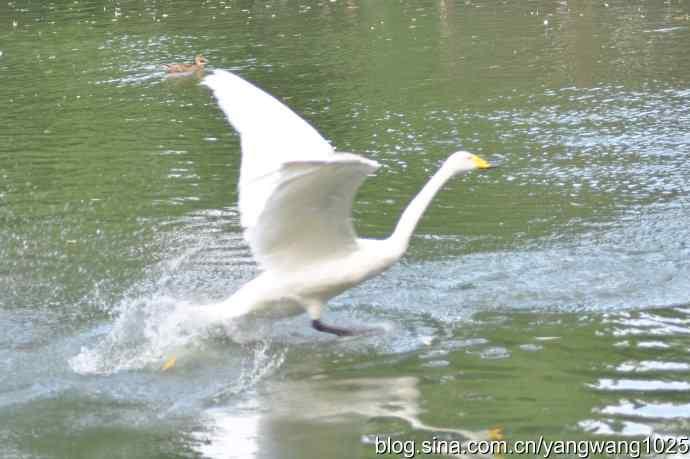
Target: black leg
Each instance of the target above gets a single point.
(318, 325)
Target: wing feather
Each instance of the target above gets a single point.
(309, 215)
(271, 134)
(295, 193)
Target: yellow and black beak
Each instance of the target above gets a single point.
(481, 163)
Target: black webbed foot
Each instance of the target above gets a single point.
(322, 327)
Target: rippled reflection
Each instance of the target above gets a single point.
(649, 392)
(649, 410)
(641, 385)
(292, 411)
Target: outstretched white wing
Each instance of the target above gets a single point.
(271, 134)
(295, 193)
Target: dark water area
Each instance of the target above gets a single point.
(548, 297)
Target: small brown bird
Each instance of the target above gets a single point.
(197, 66)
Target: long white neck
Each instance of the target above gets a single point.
(414, 211)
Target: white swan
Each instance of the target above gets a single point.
(295, 202)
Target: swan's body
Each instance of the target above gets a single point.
(295, 201)
(311, 286)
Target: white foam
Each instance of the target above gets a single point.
(146, 333)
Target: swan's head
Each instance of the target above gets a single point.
(200, 60)
(462, 161)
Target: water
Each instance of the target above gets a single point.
(549, 297)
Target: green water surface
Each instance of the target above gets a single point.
(548, 297)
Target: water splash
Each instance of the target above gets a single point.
(142, 336)
(159, 315)
(258, 366)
